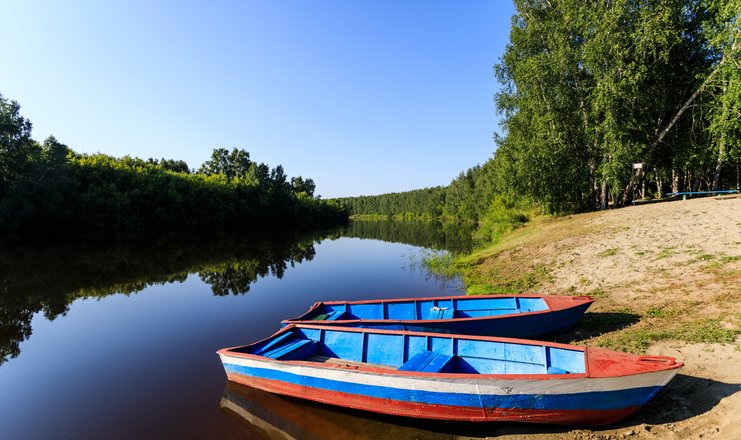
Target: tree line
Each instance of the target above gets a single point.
(49, 191)
(473, 197)
(590, 88)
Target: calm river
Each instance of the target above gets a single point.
(120, 342)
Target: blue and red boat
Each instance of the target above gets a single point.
(450, 377)
(517, 316)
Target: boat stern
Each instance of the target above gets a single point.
(556, 303)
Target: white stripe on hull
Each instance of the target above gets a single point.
(487, 385)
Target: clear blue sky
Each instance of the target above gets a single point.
(363, 97)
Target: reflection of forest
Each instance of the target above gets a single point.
(452, 237)
(49, 279)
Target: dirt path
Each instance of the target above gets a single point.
(667, 278)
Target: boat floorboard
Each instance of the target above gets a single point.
(347, 363)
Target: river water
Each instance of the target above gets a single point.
(119, 342)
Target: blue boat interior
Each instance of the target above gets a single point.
(414, 352)
(445, 308)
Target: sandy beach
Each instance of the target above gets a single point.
(667, 279)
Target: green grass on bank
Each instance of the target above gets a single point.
(521, 260)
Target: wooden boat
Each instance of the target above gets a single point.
(450, 377)
(518, 316)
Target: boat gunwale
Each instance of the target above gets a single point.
(375, 371)
(587, 351)
(583, 299)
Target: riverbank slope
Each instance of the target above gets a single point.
(667, 279)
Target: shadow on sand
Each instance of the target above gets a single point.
(593, 324)
(683, 398)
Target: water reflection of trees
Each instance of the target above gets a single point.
(49, 279)
(454, 237)
(235, 277)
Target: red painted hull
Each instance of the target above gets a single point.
(430, 411)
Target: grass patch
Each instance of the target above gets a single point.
(633, 340)
(666, 252)
(441, 264)
(480, 289)
(609, 252)
(533, 278)
(597, 293)
(703, 257)
(723, 261)
(660, 312)
(708, 331)
(637, 340)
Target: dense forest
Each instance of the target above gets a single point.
(48, 191)
(590, 88)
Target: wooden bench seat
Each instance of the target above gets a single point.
(344, 362)
(427, 361)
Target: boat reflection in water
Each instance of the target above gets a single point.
(272, 416)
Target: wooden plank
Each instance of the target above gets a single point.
(282, 350)
(344, 362)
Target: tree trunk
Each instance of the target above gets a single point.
(695, 182)
(675, 181)
(687, 180)
(719, 163)
(721, 143)
(603, 201)
(659, 186)
(593, 189)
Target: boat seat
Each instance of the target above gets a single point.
(427, 361)
(329, 316)
(276, 341)
(440, 313)
(324, 316)
(556, 370)
(336, 316)
(290, 347)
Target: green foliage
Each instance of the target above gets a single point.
(17, 149)
(412, 205)
(48, 191)
(441, 264)
(473, 197)
(232, 165)
(589, 88)
(504, 215)
(300, 185)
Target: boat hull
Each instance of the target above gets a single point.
(583, 400)
(555, 315)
